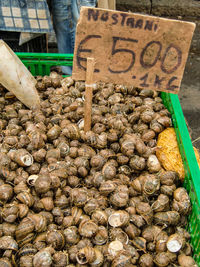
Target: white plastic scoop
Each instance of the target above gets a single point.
(16, 78)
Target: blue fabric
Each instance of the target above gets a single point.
(65, 17)
(25, 16)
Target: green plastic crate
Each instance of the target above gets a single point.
(40, 64)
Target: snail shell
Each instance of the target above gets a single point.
(60, 259)
(107, 187)
(22, 157)
(42, 258)
(6, 192)
(71, 234)
(99, 217)
(54, 132)
(43, 183)
(88, 228)
(132, 231)
(139, 242)
(86, 255)
(161, 204)
(119, 218)
(25, 227)
(7, 229)
(20, 187)
(28, 249)
(114, 248)
(109, 171)
(145, 211)
(122, 259)
(168, 217)
(162, 259)
(27, 239)
(26, 261)
(76, 214)
(146, 260)
(175, 242)
(7, 242)
(101, 236)
(47, 203)
(55, 239)
(137, 163)
(40, 222)
(5, 262)
(120, 197)
(118, 234)
(26, 198)
(71, 131)
(99, 258)
(10, 212)
(79, 196)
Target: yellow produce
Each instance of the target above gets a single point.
(168, 152)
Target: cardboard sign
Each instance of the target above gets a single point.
(131, 49)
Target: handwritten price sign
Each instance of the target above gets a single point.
(132, 49)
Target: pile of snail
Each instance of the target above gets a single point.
(100, 198)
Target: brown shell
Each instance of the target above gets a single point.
(6, 192)
(119, 199)
(25, 227)
(151, 185)
(53, 132)
(20, 187)
(55, 239)
(26, 198)
(71, 131)
(72, 236)
(146, 260)
(5, 262)
(76, 214)
(122, 259)
(144, 209)
(132, 231)
(10, 212)
(79, 196)
(88, 228)
(40, 222)
(109, 171)
(7, 229)
(22, 157)
(7, 242)
(86, 255)
(119, 218)
(168, 217)
(107, 187)
(42, 258)
(139, 242)
(60, 259)
(42, 183)
(26, 261)
(137, 163)
(118, 234)
(162, 259)
(161, 204)
(47, 203)
(101, 236)
(128, 147)
(99, 217)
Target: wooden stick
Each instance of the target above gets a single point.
(88, 94)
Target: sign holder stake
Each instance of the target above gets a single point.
(89, 84)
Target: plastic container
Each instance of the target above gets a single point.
(40, 64)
